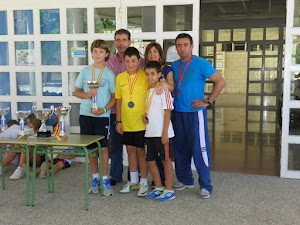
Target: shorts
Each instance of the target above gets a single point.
(135, 139)
(95, 126)
(57, 160)
(155, 150)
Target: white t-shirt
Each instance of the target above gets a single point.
(156, 113)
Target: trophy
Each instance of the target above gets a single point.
(43, 115)
(93, 84)
(22, 115)
(3, 113)
(61, 112)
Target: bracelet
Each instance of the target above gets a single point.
(118, 122)
(105, 109)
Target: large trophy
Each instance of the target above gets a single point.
(61, 112)
(22, 115)
(43, 115)
(3, 113)
(93, 85)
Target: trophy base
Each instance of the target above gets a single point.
(22, 137)
(62, 137)
(44, 134)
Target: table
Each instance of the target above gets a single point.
(22, 147)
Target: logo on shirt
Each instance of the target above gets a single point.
(190, 74)
(102, 82)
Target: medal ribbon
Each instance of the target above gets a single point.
(131, 85)
(181, 75)
(149, 102)
(100, 74)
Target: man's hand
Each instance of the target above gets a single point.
(119, 128)
(145, 119)
(160, 88)
(199, 103)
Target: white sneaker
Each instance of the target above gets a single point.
(143, 191)
(17, 174)
(128, 187)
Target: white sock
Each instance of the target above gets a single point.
(105, 177)
(96, 175)
(159, 189)
(134, 177)
(145, 181)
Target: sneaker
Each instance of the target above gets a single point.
(17, 174)
(43, 172)
(204, 193)
(128, 187)
(108, 191)
(30, 170)
(166, 195)
(154, 194)
(180, 186)
(95, 186)
(143, 191)
(113, 182)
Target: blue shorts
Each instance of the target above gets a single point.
(95, 126)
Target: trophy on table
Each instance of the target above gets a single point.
(93, 85)
(22, 115)
(43, 115)
(3, 113)
(61, 112)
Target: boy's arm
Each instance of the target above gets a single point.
(167, 117)
(80, 94)
(119, 127)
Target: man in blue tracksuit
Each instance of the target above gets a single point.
(190, 115)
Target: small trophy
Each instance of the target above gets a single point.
(22, 115)
(61, 112)
(93, 85)
(43, 115)
(3, 113)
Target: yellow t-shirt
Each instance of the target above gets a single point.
(132, 117)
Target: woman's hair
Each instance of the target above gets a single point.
(102, 45)
(162, 60)
(34, 121)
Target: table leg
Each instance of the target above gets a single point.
(47, 172)
(86, 178)
(33, 177)
(52, 173)
(27, 175)
(100, 168)
(2, 171)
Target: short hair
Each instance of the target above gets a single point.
(34, 121)
(184, 35)
(12, 122)
(101, 44)
(159, 49)
(122, 31)
(132, 51)
(153, 65)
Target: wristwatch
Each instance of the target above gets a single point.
(118, 122)
(207, 101)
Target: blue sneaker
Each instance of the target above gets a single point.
(166, 195)
(155, 193)
(95, 186)
(108, 191)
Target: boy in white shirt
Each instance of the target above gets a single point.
(158, 131)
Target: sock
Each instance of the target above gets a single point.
(134, 177)
(105, 177)
(170, 190)
(159, 189)
(145, 181)
(96, 175)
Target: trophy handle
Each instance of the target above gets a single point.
(70, 107)
(34, 108)
(52, 111)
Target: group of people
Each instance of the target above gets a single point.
(134, 103)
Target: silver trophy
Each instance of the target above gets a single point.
(3, 113)
(93, 85)
(22, 115)
(43, 115)
(61, 112)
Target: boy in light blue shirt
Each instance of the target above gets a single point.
(96, 122)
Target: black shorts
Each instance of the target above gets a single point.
(135, 139)
(95, 126)
(155, 150)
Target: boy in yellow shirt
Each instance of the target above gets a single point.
(131, 91)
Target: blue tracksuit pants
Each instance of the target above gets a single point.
(192, 141)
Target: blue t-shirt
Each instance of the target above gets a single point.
(165, 71)
(192, 84)
(107, 87)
